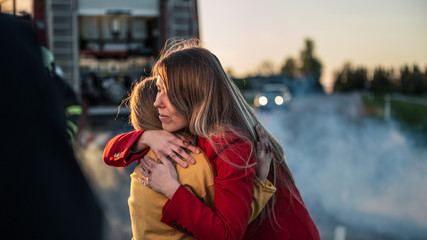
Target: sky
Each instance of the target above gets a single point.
(369, 33)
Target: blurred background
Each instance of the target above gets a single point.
(342, 85)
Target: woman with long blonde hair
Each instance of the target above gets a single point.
(195, 92)
(145, 205)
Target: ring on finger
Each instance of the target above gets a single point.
(170, 153)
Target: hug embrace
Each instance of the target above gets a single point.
(207, 168)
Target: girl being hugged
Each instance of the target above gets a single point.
(195, 92)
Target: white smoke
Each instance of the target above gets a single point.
(363, 171)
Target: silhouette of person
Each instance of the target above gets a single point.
(44, 192)
(72, 107)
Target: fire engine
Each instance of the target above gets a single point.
(103, 46)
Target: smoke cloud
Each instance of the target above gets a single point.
(360, 171)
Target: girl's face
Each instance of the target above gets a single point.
(172, 121)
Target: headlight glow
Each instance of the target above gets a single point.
(263, 100)
(278, 100)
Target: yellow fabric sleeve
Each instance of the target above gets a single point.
(262, 194)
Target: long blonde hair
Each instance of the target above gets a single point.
(199, 89)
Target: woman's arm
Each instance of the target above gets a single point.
(126, 148)
(118, 151)
(235, 167)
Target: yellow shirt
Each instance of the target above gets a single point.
(145, 205)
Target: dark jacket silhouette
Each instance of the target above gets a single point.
(44, 194)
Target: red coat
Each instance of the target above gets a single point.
(233, 196)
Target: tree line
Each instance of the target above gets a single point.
(407, 79)
(306, 69)
(308, 66)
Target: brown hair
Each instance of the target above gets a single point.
(143, 114)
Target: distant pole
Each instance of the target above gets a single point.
(14, 7)
(340, 232)
(387, 107)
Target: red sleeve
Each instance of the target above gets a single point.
(232, 201)
(117, 152)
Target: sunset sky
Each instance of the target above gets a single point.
(244, 33)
